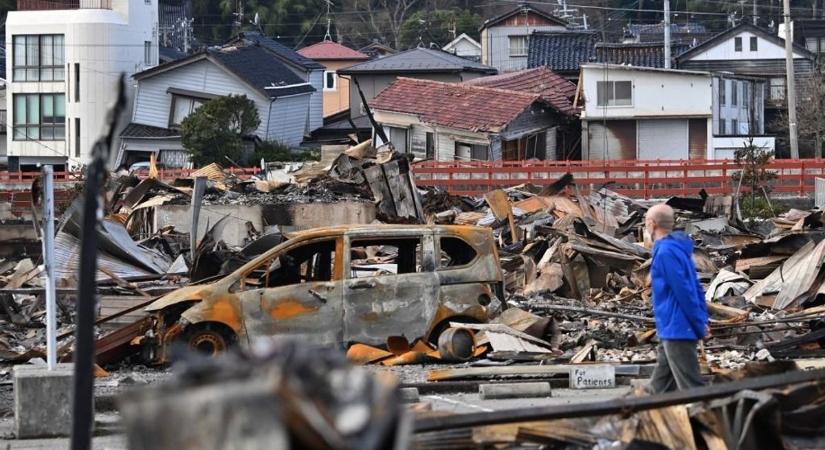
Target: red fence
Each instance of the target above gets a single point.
(640, 179)
(26, 178)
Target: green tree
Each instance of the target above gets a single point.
(216, 130)
(435, 27)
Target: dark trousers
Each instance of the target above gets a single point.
(677, 367)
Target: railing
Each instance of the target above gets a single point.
(26, 178)
(35, 5)
(639, 179)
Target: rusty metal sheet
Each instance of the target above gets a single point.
(366, 354)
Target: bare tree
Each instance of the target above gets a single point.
(376, 20)
(811, 118)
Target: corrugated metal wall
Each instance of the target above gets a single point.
(663, 139)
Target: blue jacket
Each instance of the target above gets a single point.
(678, 301)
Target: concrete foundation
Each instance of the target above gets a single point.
(514, 390)
(43, 401)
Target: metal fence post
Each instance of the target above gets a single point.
(48, 261)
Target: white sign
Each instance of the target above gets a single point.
(592, 377)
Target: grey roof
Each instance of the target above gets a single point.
(257, 67)
(137, 130)
(279, 49)
(655, 32)
(167, 54)
(561, 51)
(418, 60)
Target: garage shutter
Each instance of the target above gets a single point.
(619, 139)
(663, 139)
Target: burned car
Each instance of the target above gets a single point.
(336, 286)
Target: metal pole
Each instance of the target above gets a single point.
(667, 34)
(790, 82)
(197, 200)
(754, 13)
(48, 262)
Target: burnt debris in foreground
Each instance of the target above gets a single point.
(526, 284)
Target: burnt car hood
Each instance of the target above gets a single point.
(188, 293)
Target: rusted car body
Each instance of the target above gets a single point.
(315, 287)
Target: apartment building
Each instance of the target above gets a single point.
(65, 59)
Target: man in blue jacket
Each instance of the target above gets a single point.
(678, 304)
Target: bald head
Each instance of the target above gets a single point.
(659, 220)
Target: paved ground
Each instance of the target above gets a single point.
(109, 432)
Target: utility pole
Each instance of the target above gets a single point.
(667, 34)
(48, 262)
(754, 13)
(791, 82)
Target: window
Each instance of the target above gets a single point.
(471, 152)
(614, 93)
(182, 106)
(398, 137)
(38, 58)
(737, 44)
(378, 257)
(76, 82)
(39, 117)
(722, 130)
(455, 252)
(734, 92)
(147, 53)
(754, 43)
(518, 45)
(722, 85)
(311, 262)
(330, 80)
(776, 89)
(734, 126)
(77, 137)
(430, 146)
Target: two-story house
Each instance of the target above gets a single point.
(754, 52)
(334, 56)
(505, 38)
(645, 113)
(168, 93)
(64, 61)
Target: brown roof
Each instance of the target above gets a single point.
(461, 106)
(554, 90)
(326, 50)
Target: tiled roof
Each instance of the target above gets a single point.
(553, 89)
(562, 51)
(460, 106)
(331, 50)
(649, 54)
(655, 32)
(418, 60)
(279, 49)
(260, 69)
(136, 130)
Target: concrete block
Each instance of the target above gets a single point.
(514, 390)
(43, 401)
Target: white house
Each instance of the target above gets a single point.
(465, 47)
(738, 114)
(168, 93)
(62, 72)
(645, 113)
(505, 38)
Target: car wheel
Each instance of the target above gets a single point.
(207, 340)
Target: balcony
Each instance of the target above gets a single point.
(39, 5)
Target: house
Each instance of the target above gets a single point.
(465, 47)
(168, 93)
(640, 54)
(377, 50)
(755, 52)
(555, 91)
(334, 56)
(375, 75)
(460, 121)
(809, 33)
(309, 70)
(61, 81)
(505, 38)
(645, 113)
(562, 52)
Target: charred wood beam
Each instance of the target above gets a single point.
(622, 405)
